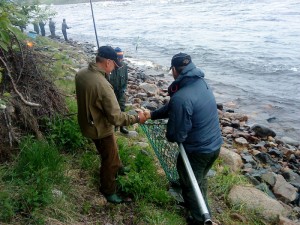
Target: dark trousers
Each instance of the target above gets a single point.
(110, 163)
(65, 35)
(121, 100)
(201, 164)
(43, 31)
(52, 31)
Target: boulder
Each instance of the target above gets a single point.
(253, 198)
(232, 159)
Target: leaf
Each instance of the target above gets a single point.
(3, 46)
(4, 37)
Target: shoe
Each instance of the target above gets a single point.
(191, 221)
(124, 130)
(114, 198)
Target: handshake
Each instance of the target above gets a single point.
(143, 115)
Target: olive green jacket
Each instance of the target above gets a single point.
(98, 108)
(119, 78)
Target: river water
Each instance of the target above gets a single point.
(249, 50)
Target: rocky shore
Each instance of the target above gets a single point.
(270, 164)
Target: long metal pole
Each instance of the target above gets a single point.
(94, 23)
(195, 186)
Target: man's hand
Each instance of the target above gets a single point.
(147, 114)
(142, 118)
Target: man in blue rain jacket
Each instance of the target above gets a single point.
(194, 122)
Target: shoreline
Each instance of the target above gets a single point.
(158, 73)
(252, 151)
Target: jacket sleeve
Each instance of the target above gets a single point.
(125, 80)
(180, 120)
(161, 113)
(113, 112)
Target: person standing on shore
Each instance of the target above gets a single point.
(36, 27)
(99, 112)
(118, 79)
(194, 122)
(64, 28)
(52, 27)
(42, 28)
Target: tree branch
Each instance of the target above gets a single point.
(15, 88)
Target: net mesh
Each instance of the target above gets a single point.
(165, 151)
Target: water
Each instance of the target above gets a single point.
(249, 50)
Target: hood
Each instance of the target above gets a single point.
(188, 75)
(190, 71)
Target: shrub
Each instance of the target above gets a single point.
(65, 133)
(144, 182)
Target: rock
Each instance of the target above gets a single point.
(227, 130)
(284, 191)
(236, 116)
(262, 131)
(238, 217)
(150, 88)
(264, 188)
(220, 106)
(57, 193)
(241, 141)
(232, 159)
(142, 144)
(290, 141)
(253, 198)
(132, 134)
(269, 178)
(235, 124)
(149, 105)
(286, 221)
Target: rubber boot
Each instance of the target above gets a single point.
(124, 130)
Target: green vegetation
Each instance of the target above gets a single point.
(30, 181)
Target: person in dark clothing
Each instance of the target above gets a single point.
(52, 27)
(36, 28)
(193, 121)
(118, 79)
(42, 28)
(64, 28)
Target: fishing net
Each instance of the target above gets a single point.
(165, 151)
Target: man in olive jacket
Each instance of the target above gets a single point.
(118, 79)
(99, 112)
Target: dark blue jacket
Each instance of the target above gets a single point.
(192, 112)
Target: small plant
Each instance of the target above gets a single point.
(6, 207)
(65, 133)
(143, 181)
(89, 161)
(222, 183)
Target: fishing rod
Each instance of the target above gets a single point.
(94, 23)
